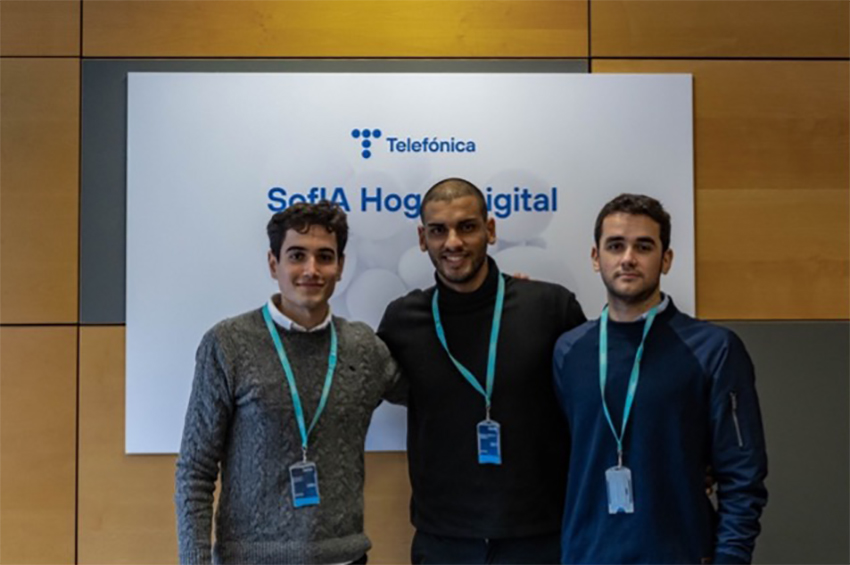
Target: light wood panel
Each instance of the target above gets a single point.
(336, 28)
(126, 503)
(39, 27)
(39, 152)
(771, 143)
(720, 28)
(38, 377)
(764, 124)
(773, 254)
(388, 508)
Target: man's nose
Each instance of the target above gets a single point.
(311, 267)
(453, 239)
(629, 256)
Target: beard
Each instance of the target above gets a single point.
(475, 268)
(633, 297)
(477, 262)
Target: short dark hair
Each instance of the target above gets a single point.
(449, 189)
(301, 217)
(639, 205)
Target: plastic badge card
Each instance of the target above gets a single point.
(305, 484)
(620, 497)
(489, 443)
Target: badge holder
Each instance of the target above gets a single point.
(620, 495)
(304, 478)
(489, 443)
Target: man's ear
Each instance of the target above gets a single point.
(273, 264)
(594, 258)
(421, 231)
(341, 266)
(491, 231)
(666, 261)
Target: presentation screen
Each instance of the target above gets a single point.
(211, 156)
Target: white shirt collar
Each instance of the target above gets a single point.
(283, 321)
(665, 301)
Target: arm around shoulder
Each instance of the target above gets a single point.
(395, 385)
(570, 309)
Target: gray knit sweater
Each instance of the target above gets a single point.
(240, 417)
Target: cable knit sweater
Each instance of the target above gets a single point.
(240, 418)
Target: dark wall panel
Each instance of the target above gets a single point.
(802, 371)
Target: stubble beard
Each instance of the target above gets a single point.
(462, 278)
(631, 298)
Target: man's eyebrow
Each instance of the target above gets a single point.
(302, 248)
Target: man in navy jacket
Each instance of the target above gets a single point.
(653, 397)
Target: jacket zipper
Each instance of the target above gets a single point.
(734, 398)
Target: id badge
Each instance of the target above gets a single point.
(620, 496)
(489, 443)
(305, 484)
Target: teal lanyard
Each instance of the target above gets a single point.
(633, 379)
(494, 338)
(290, 379)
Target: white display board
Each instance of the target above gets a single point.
(212, 155)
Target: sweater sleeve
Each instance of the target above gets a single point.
(739, 458)
(398, 392)
(201, 450)
(397, 386)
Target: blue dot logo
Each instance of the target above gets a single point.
(366, 135)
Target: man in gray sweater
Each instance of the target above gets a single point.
(281, 401)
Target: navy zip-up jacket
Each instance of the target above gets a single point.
(695, 406)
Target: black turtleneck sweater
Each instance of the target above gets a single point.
(453, 495)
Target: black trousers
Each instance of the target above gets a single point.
(432, 549)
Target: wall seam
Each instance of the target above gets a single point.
(589, 39)
(79, 289)
(589, 57)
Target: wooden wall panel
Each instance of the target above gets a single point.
(773, 254)
(126, 503)
(388, 508)
(40, 27)
(38, 377)
(764, 124)
(720, 28)
(39, 195)
(336, 28)
(772, 179)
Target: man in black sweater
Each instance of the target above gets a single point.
(485, 443)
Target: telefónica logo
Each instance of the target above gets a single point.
(366, 136)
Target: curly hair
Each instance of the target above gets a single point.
(301, 217)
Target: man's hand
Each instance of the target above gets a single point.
(710, 481)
